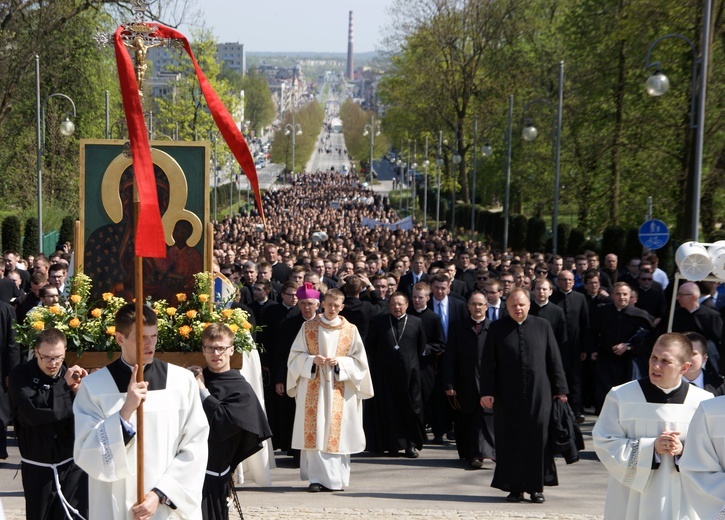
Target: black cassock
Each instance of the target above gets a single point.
(461, 371)
(393, 419)
(237, 428)
(522, 370)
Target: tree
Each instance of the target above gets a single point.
(30, 237)
(310, 118)
(11, 233)
(259, 108)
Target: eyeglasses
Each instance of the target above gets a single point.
(51, 359)
(481, 277)
(215, 350)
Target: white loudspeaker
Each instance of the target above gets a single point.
(717, 256)
(694, 261)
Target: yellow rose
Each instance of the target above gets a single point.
(247, 325)
(56, 309)
(233, 327)
(203, 298)
(185, 330)
(191, 314)
(74, 323)
(110, 330)
(227, 313)
(38, 325)
(75, 298)
(171, 311)
(181, 297)
(96, 313)
(107, 296)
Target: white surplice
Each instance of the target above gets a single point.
(256, 468)
(175, 446)
(328, 419)
(703, 461)
(624, 437)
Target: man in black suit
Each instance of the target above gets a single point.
(283, 337)
(458, 288)
(465, 270)
(450, 310)
(435, 344)
(461, 382)
(280, 271)
(543, 308)
(611, 268)
(394, 417)
(690, 316)
(9, 291)
(357, 311)
(701, 373)
(651, 297)
(496, 307)
(264, 271)
(9, 359)
(576, 314)
(416, 274)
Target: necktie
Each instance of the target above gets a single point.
(444, 324)
(494, 313)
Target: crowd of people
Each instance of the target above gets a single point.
(386, 340)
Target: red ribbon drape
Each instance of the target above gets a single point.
(150, 240)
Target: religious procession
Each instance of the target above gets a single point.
(167, 361)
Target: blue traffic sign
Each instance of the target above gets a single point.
(654, 234)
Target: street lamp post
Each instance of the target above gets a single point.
(658, 84)
(530, 132)
(487, 151)
(439, 163)
(456, 161)
(294, 130)
(66, 129)
(373, 131)
(426, 163)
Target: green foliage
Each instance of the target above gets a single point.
(517, 232)
(310, 118)
(563, 232)
(576, 241)
(67, 230)
(632, 246)
(259, 109)
(613, 240)
(355, 123)
(11, 235)
(30, 237)
(536, 234)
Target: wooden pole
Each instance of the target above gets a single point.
(138, 292)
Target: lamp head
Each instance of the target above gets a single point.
(286, 132)
(67, 128)
(486, 150)
(299, 131)
(439, 161)
(657, 84)
(457, 159)
(529, 132)
(366, 133)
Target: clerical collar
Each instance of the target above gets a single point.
(656, 395)
(542, 304)
(421, 310)
(478, 321)
(334, 322)
(567, 293)
(403, 316)
(129, 365)
(518, 322)
(670, 390)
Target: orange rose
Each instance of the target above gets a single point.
(234, 327)
(191, 314)
(247, 325)
(110, 330)
(107, 296)
(56, 309)
(38, 325)
(206, 324)
(171, 311)
(185, 330)
(75, 298)
(181, 297)
(74, 323)
(96, 313)
(227, 313)
(203, 298)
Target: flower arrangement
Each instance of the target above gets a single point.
(89, 326)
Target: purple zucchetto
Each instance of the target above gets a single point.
(308, 292)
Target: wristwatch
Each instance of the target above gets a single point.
(163, 499)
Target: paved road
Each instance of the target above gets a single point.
(434, 486)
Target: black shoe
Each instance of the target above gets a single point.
(515, 497)
(451, 436)
(315, 488)
(538, 497)
(476, 463)
(412, 453)
(438, 439)
(580, 419)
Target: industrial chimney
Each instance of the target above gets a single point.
(349, 51)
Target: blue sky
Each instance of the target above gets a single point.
(296, 25)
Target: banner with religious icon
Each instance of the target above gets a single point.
(181, 171)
